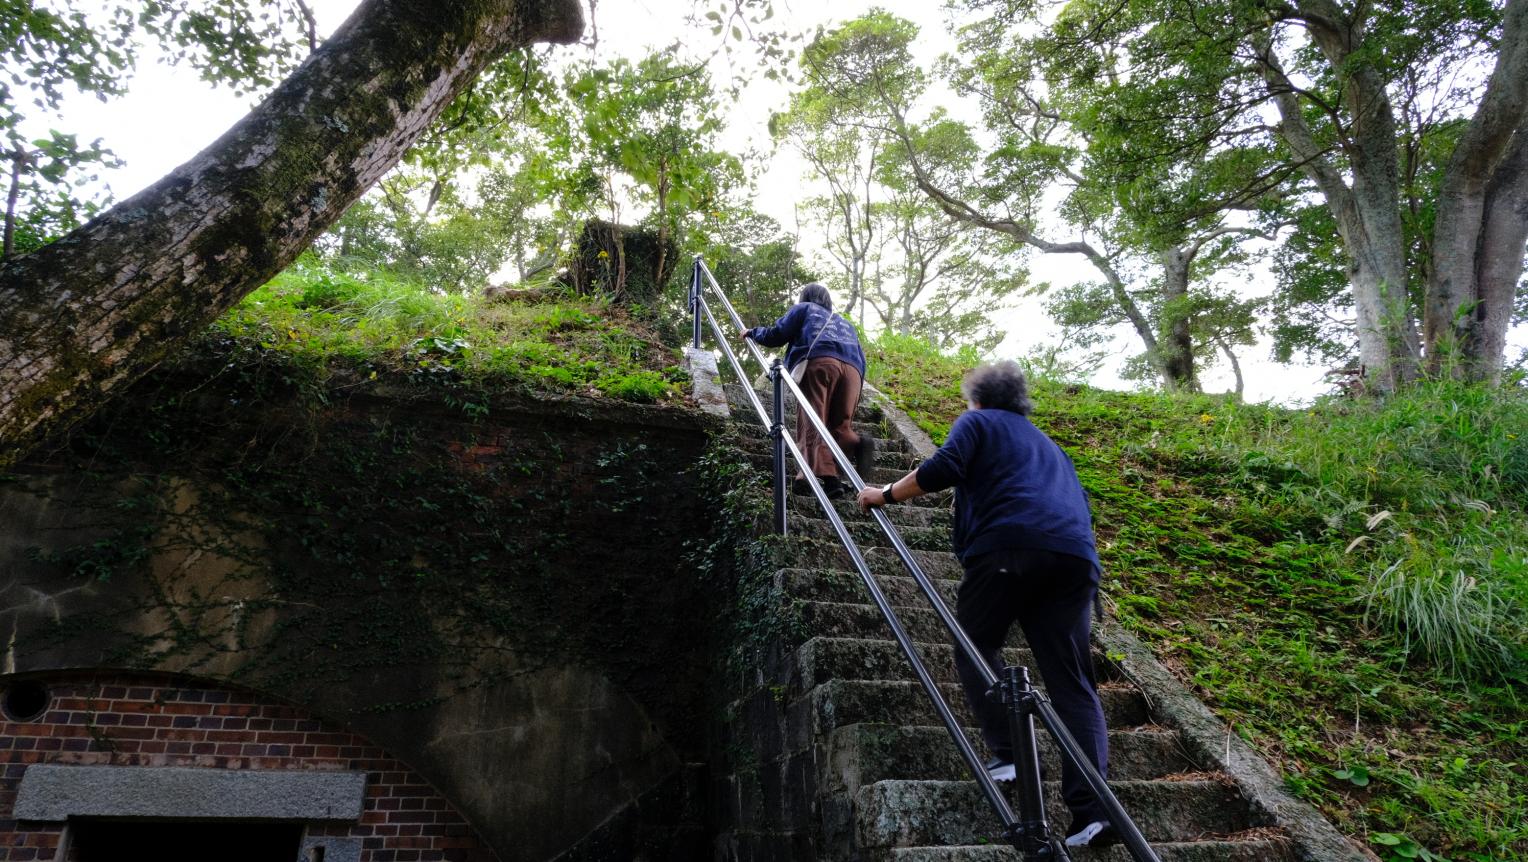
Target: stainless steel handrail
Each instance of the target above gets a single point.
(1015, 688)
(984, 780)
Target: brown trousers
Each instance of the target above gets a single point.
(832, 386)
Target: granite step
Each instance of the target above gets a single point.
(865, 532)
(764, 463)
(940, 502)
(884, 456)
(865, 622)
(867, 411)
(744, 414)
(826, 555)
(902, 516)
(868, 417)
(754, 438)
(1254, 849)
(841, 703)
(903, 813)
(821, 659)
(837, 585)
(867, 753)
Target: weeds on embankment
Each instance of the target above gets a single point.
(372, 322)
(1346, 585)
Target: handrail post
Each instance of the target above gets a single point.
(777, 438)
(695, 302)
(1012, 686)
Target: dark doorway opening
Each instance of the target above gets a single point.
(183, 841)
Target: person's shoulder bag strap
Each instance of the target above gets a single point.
(798, 372)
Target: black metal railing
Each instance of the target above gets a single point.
(1027, 830)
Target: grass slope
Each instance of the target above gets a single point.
(1345, 586)
(372, 323)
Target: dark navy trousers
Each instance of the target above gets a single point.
(1050, 595)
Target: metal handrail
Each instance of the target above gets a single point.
(924, 583)
(988, 787)
(1015, 686)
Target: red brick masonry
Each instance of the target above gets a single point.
(146, 720)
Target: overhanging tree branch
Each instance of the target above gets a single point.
(93, 311)
(964, 212)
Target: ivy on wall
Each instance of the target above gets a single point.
(238, 517)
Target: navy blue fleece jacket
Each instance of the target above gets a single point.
(1015, 488)
(799, 328)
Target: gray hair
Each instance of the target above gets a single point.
(814, 292)
(1000, 385)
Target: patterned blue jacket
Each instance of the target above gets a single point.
(799, 328)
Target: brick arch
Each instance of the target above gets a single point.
(138, 719)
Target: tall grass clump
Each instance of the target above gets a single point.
(1427, 490)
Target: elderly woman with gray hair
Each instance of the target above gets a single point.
(826, 359)
(1024, 536)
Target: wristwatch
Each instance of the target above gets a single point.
(886, 498)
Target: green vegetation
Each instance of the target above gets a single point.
(1345, 585)
(373, 323)
(49, 50)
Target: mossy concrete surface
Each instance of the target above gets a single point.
(490, 588)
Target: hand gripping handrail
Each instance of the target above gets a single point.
(1029, 835)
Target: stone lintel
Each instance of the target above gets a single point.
(53, 792)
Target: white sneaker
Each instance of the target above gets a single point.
(1096, 834)
(1001, 770)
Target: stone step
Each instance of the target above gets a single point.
(939, 504)
(834, 585)
(900, 813)
(867, 753)
(865, 417)
(864, 621)
(825, 658)
(902, 516)
(1256, 849)
(743, 413)
(764, 463)
(841, 703)
(804, 521)
(754, 438)
(894, 459)
(866, 411)
(829, 555)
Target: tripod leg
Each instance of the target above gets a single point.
(1032, 835)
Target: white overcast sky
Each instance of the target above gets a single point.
(169, 115)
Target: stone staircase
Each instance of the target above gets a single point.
(836, 753)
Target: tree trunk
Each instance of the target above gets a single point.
(1503, 244)
(663, 225)
(18, 161)
(99, 307)
(1225, 348)
(1376, 238)
(1367, 212)
(1482, 222)
(1176, 344)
